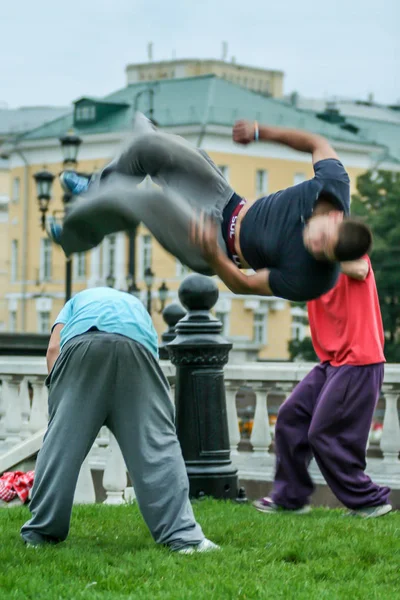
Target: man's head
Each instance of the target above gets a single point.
(336, 238)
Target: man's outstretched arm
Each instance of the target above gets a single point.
(245, 132)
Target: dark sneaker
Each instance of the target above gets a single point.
(267, 505)
(204, 546)
(73, 183)
(370, 512)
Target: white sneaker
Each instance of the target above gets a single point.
(370, 512)
(204, 546)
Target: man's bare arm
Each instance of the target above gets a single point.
(356, 269)
(238, 282)
(53, 349)
(204, 234)
(244, 132)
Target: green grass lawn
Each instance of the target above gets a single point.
(110, 554)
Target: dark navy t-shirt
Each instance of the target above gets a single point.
(271, 234)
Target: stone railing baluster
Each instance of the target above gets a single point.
(390, 440)
(233, 423)
(39, 412)
(114, 478)
(13, 417)
(260, 435)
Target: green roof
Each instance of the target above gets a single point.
(381, 132)
(193, 101)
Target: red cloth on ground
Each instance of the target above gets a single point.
(17, 483)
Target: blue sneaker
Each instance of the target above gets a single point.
(73, 183)
(54, 230)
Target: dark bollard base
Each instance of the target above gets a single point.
(221, 487)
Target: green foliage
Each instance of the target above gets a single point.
(378, 203)
(110, 555)
(302, 350)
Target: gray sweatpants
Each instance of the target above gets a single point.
(190, 182)
(108, 379)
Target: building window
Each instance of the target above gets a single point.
(111, 254)
(261, 182)
(181, 270)
(259, 328)
(145, 254)
(224, 318)
(299, 178)
(85, 113)
(16, 189)
(43, 322)
(225, 171)
(12, 321)
(45, 259)
(298, 328)
(80, 265)
(14, 261)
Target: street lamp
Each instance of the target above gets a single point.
(70, 144)
(163, 294)
(70, 147)
(44, 181)
(149, 280)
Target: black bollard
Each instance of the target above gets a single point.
(171, 315)
(199, 353)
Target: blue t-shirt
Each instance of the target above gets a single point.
(271, 234)
(108, 310)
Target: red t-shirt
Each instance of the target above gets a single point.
(346, 323)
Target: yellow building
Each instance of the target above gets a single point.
(4, 246)
(263, 81)
(257, 326)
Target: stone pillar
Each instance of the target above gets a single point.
(199, 353)
(172, 314)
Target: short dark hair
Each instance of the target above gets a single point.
(355, 240)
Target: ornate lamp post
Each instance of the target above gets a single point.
(44, 182)
(70, 144)
(149, 280)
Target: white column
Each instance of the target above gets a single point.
(39, 412)
(119, 266)
(390, 440)
(84, 492)
(25, 407)
(233, 425)
(261, 435)
(13, 417)
(95, 275)
(2, 414)
(114, 478)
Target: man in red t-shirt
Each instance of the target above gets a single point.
(329, 413)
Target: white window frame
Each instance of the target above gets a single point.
(145, 253)
(16, 190)
(298, 325)
(43, 323)
(85, 113)
(181, 270)
(260, 326)
(14, 261)
(299, 178)
(80, 266)
(223, 316)
(46, 256)
(261, 182)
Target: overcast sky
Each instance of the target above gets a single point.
(53, 52)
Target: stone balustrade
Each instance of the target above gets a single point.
(253, 392)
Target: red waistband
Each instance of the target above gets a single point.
(232, 230)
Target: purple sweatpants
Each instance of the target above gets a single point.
(328, 416)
